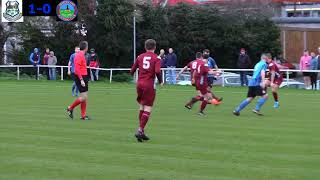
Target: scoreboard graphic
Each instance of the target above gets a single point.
(15, 10)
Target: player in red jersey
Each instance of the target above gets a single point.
(274, 79)
(149, 67)
(201, 76)
(193, 66)
(81, 80)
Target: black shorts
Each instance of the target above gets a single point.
(256, 91)
(210, 81)
(78, 83)
(306, 74)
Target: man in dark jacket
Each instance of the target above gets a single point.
(94, 63)
(35, 60)
(244, 62)
(171, 62)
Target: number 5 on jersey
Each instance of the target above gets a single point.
(146, 62)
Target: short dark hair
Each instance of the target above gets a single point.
(205, 56)
(269, 55)
(150, 44)
(83, 45)
(206, 51)
(198, 55)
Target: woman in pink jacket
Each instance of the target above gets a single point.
(305, 62)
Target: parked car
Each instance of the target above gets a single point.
(230, 79)
(292, 84)
(290, 66)
(184, 79)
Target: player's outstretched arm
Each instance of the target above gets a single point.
(69, 68)
(182, 70)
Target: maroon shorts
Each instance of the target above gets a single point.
(278, 81)
(202, 88)
(146, 95)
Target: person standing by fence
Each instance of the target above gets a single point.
(305, 62)
(94, 63)
(45, 62)
(171, 62)
(35, 61)
(314, 66)
(71, 71)
(52, 61)
(244, 62)
(162, 57)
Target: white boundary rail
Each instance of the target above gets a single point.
(111, 70)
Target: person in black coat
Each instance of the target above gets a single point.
(244, 62)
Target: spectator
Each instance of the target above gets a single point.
(318, 58)
(171, 62)
(87, 56)
(305, 62)
(71, 70)
(94, 63)
(52, 61)
(45, 62)
(244, 62)
(162, 56)
(34, 59)
(314, 66)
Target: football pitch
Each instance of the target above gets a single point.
(39, 142)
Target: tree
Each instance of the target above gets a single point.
(5, 33)
(186, 28)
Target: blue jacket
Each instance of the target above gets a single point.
(314, 63)
(35, 58)
(212, 65)
(170, 60)
(71, 60)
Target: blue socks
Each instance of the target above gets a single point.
(242, 105)
(260, 103)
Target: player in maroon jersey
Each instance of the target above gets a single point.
(192, 66)
(201, 76)
(149, 66)
(274, 79)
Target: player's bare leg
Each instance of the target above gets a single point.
(219, 99)
(144, 115)
(275, 89)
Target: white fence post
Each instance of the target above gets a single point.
(222, 73)
(61, 73)
(18, 73)
(38, 72)
(288, 78)
(110, 80)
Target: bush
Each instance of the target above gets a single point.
(123, 77)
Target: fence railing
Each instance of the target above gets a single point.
(286, 72)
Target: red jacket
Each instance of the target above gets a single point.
(80, 64)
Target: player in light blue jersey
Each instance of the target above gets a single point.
(256, 87)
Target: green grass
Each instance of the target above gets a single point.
(38, 142)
